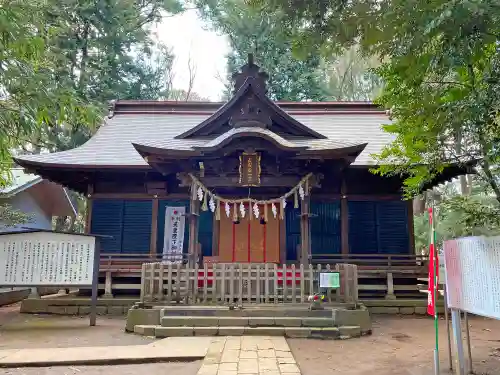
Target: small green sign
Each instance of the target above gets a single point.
(329, 280)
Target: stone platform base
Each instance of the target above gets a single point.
(70, 305)
(8, 297)
(258, 320)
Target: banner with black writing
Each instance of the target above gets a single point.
(173, 241)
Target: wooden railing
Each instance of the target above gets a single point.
(385, 261)
(242, 283)
(380, 276)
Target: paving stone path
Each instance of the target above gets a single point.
(249, 355)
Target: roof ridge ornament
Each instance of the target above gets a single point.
(250, 72)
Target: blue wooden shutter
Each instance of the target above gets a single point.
(362, 227)
(393, 231)
(136, 226)
(292, 223)
(107, 219)
(325, 228)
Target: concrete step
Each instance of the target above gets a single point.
(243, 321)
(256, 311)
(331, 333)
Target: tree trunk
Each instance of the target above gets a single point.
(419, 205)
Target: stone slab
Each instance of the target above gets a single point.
(228, 321)
(361, 318)
(325, 333)
(261, 321)
(297, 332)
(206, 331)
(231, 331)
(350, 331)
(174, 331)
(142, 317)
(145, 330)
(265, 331)
(384, 310)
(171, 349)
(407, 310)
(288, 321)
(317, 322)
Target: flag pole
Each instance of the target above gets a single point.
(435, 262)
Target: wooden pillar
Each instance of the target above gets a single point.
(411, 229)
(305, 230)
(88, 218)
(344, 218)
(282, 240)
(153, 251)
(215, 237)
(90, 201)
(194, 216)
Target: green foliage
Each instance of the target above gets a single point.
(441, 73)
(10, 217)
(254, 31)
(30, 94)
(459, 216)
(351, 76)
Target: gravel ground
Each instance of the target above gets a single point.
(45, 331)
(398, 346)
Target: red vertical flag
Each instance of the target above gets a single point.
(433, 270)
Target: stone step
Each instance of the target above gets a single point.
(330, 333)
(242, 321)
(258, 311)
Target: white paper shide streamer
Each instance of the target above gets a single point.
(256, 210)
(242, 209)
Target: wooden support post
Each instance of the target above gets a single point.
(305, 231)
(193, 232)
(282, 240)
(108, 286)
(215, 237)
(88, 219)
(390, 286)
(154, 228)
(344, 219)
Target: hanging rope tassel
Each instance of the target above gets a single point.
(307, 186)
(282, 209)
(295, 199)
(204, 206)
(217, 210)
(235, 212)
(250, 213)
(265, 212)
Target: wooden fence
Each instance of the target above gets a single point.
(239, 283)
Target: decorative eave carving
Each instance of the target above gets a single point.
(250, 107)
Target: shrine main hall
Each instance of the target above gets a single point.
(249, 180)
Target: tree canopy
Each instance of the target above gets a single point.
(440, 66)
(251, 31)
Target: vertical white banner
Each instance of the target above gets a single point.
(173, 240)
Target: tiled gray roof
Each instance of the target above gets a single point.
(112, 144)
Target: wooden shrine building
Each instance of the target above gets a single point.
(250, 180)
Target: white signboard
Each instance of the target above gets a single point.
(442, 269)
(46, 259)
(173, 242)
(473, 275)
(329, 280)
